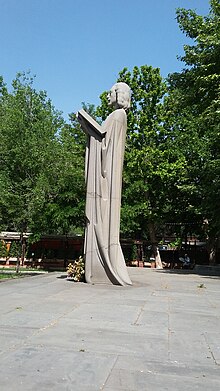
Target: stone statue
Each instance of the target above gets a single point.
(104, 260)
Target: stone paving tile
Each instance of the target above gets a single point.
(188, 321)
(12, 336)
(146, 381)
(102, 340)
(190, 349)
(39, 368)
(160, 334)
(213, 342)
(21, 318)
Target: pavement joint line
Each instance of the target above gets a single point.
(210, 350)
(110, 372)
(139, 315)
(36, 332)
(169, 330)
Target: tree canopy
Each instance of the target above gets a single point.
(196, 95)
(171, 171)
(41, 177)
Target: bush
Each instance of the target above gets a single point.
(76, 271)
(3, 249)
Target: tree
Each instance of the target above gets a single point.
(28, 127)
(196, 93)
(151, 166)
(41, 173)
(67, 182)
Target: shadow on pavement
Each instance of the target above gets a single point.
(206, 271)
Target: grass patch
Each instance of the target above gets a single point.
(10, 273)
(21, 268)
(4, 276)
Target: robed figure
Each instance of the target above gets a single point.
(104, 260)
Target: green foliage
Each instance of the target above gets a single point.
(3, 249)
(152, 166)
(176, 243)
(15, 249)
(28, 125)
(199, 82)
(195, 94)
(4, 275)
(42, 173)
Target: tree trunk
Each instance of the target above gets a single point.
(18, 264)
(155, 251)
(23, 250)
(211, 247)
(211, 243)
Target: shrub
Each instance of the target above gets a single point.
(76, 271)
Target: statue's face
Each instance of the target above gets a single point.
(112, 97)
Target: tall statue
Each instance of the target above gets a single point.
(104, 260)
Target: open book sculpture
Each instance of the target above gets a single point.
(104, 260)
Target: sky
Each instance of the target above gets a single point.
(76, 48)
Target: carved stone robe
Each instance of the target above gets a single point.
(104, 260)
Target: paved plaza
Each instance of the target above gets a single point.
(163, 333)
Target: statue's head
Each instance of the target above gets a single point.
(119, 96)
